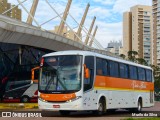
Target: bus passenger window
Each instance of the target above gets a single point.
(101, 67)
(113, 68)
(149, 75)
(133, 72)
(123, 70)
(89, 62)
(141, 74)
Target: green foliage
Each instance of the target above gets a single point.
(156, 74)
(132, 55)
(141, 61)
(122, 56)
(157, 82)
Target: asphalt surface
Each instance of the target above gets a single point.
(117, 115)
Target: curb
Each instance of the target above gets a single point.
(18, 105)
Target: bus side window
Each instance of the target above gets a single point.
(101, 67)
(133, 72)
(141, 74)
(114, 69)
(148, 75)
(89, 62)
(123, 70)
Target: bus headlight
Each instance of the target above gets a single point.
(42, 99)
(78, 97)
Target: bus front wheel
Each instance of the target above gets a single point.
(101, 107)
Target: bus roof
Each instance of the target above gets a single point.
(88, 53)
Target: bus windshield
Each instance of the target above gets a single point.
(60, 74)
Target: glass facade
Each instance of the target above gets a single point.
(16, 62)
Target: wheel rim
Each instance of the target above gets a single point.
(139, 106)
(25, 99)
(100, 108)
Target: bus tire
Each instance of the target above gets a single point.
(25, 99)
(64, 113)
(101, 107)
(139, 106)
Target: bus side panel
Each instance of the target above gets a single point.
(124, 93)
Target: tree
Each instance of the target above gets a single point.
(122, 56)
(142, 61)
(156, 74)
(155, 69)
(132, 55)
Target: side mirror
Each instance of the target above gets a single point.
(33, 74)
(86, 72)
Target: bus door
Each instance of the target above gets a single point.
(88, 81)
(89, 65)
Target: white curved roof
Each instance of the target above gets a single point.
(88, 53)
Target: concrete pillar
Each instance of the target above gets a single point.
(32, 11)
(90, 30)
(94, 34)
(61, 26)
(82, 22)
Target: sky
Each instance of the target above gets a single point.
(109, 15)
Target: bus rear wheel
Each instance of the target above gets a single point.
(139, 107)
(64, 113)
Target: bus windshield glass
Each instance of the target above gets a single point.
(60, 74)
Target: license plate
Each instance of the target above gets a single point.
(56, 106)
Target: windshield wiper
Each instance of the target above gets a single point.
(61, 83)
(51, 80)
(48, 85)
(58, 80)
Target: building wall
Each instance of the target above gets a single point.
(142, 39)
(154, 10)
(14, 13)
(156, 31)
(115, 47)
(4, 5)
(127, 32)
(142, 31)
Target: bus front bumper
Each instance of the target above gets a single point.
(52, 106)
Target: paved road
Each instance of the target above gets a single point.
(119, 114)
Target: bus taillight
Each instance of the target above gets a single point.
(42, 61)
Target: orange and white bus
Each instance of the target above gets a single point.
(82, 80)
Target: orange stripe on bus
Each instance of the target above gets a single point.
(106, 82)
(57, 97)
